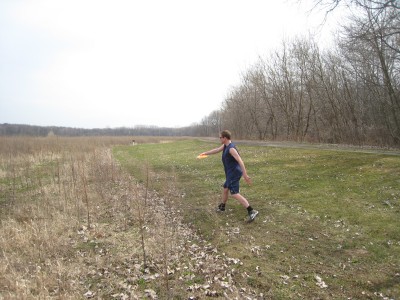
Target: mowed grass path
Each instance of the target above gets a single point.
(329, 222)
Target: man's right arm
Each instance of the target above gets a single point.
(214, 151)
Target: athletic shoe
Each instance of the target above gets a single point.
(221, 208)
(252, 215)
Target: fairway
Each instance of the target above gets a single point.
(328, 227)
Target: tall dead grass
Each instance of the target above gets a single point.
(44, 200)
(54, 191)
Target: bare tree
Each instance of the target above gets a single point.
(376, 5)
(373, 50)
(289, 74)
(235, 116)
(254, 104)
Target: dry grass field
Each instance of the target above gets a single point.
(54, 194)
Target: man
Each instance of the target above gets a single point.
(234, 169)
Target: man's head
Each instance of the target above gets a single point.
(225, 134)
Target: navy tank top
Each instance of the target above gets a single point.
(231, 166)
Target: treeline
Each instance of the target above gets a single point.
(43, 131)
(349, 93)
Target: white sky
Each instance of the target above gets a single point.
(103, 63)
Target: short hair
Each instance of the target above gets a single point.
(226, 134)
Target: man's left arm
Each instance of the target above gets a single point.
(236, 155)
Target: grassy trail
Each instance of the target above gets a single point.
(328, 227)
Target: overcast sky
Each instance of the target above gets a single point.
(103, 63)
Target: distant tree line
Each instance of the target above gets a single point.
(347, 94)
(43, 131)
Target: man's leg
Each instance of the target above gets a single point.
(241, 199)
(252, 212)
(225, 194)
(224, 199)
